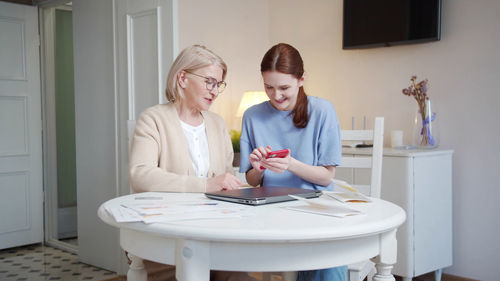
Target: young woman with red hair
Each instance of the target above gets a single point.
(307, 126)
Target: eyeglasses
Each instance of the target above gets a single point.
(211, 82)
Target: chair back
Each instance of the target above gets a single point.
(130, 135)
(373, 161)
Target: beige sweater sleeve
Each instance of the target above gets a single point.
(229, 153)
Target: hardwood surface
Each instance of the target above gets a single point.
(425, 277)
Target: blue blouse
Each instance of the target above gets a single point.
(318, 144)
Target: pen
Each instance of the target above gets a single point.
(148, 198)
(345, 185)
(200, 204)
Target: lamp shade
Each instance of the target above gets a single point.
(250, 98)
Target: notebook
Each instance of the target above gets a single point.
(262, 195)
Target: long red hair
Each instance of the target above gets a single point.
(286, 59)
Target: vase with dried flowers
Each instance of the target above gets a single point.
(425, 133)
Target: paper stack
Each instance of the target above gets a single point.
(151, 211)
(323, 208)
(351, 196)
(348, 197)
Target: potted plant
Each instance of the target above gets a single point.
(235, 140)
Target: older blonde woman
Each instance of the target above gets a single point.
(181, 146)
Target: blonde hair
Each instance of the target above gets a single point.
(190, 59)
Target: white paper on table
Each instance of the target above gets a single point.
(122, 214)
(220, 214)
(161, 211)
(348, 197)
(326, 209)
(158, 208)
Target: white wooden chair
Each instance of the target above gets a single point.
(366, 268)
(359, 271)
(130, 135)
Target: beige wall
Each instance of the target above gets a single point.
(238, 32)
(463, 70)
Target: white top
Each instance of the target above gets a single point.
(198, 148)
(397, 152)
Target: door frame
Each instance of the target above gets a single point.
(47, 68)
(121, 111)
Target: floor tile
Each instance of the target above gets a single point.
(39, 262)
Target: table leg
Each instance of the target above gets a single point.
(192, 260)
(387, 258)
(383, 272)
(136, 270)
(437, 274)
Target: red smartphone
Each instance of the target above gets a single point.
(277, 153)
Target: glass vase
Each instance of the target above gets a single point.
(426, 131)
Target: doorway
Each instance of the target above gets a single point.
(59, 126)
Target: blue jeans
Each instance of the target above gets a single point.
(327, 274)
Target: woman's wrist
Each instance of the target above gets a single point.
(254, 176)
(208, 185)
(294, 165)
(320, 175)
(258, 174)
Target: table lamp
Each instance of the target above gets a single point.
(250, 98)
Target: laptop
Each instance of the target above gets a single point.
(262, 195)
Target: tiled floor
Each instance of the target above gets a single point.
(38, 262)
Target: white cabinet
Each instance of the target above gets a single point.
(420, 182)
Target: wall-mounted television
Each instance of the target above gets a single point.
(375, 23)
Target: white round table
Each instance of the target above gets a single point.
(272, 238)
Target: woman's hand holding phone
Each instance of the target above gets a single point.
(276, 161)
(257, 155)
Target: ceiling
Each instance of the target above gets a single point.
(35, 2)
(24, 2)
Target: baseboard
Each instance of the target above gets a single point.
(445, 277)
(67, 222)
(449, 277)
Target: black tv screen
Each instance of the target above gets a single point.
(374, 23)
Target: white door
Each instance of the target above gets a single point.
(147, 46)
(21, 181)
(137, 50)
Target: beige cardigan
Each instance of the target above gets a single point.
(160, 159)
